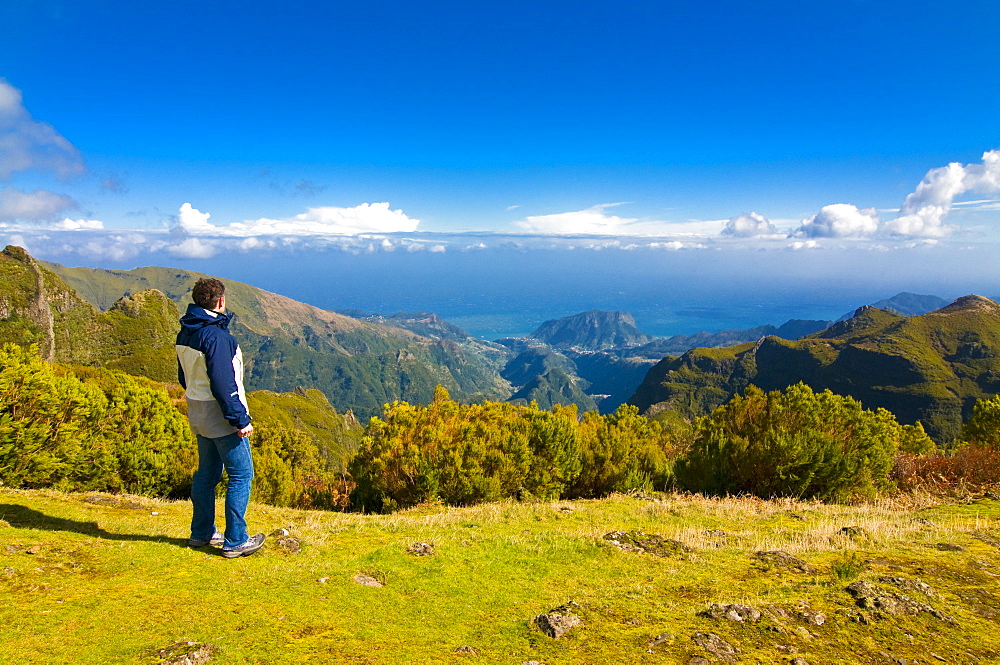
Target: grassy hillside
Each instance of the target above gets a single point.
(99, 579)
(134, 335)
(360, 365)
(930, 368)
(309, 411)
(555, 387)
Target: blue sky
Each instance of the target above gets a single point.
(134, 133)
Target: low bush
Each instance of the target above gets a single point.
(81, 428)
(291, 469)
(970, 469)
(463, 454)
(794, 443)
(983, 427)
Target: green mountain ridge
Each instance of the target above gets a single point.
(359, 365)
(135, 334)
(928, 369)
(677, 344)
(932, 367)
(555, 386)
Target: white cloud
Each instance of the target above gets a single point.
(78, 224)
(195, 237)
(596, 221)
(192, 220)
(193, 248)
(803, 244)
(117, 247)
(329, 220)
(248, 244)
(673, 245)
(693, 228)
(35, 206)
(840, 220)
(592, 221)
(748, 225)
(27, 144)
(984, 204)
(923, 212)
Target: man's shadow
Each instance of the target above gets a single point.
(22, 517)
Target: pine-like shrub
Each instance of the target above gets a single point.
(793, 442)
(464, 453)
(83, 428)
(622, 451)
(983, 426)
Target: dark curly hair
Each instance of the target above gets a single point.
(206, 292)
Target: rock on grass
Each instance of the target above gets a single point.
(421, 549)
(733, 612)
(716, 646)
(367, 580)
(872, 597)
(782, 560)
(186, 653)
(637, 541)
(558, 621)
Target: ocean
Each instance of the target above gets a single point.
(494, 294)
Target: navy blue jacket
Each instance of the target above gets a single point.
(210, 367)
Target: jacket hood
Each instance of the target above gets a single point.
(198, 317)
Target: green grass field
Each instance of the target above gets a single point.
(101, 579)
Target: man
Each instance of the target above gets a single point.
(210, 368)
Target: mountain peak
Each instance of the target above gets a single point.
(17, 254)
(594, 329)
(970, 303)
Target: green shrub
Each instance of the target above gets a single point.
(849, 567)
(40, 418)
(792, 443)
(292, 469)
(83, 428)
(462, 454)
(622, 451)
(913, 440)
(983, 427)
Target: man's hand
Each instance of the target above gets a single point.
(245, 431)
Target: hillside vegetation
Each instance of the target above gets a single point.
(88, 428)
(360, 365)
(930, 368)
(135, 334)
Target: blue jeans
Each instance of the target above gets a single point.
(232, 453)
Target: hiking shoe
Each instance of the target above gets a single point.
(252, 544)
(216, 540)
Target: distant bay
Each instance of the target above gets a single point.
(494, 293)
(493, 286)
